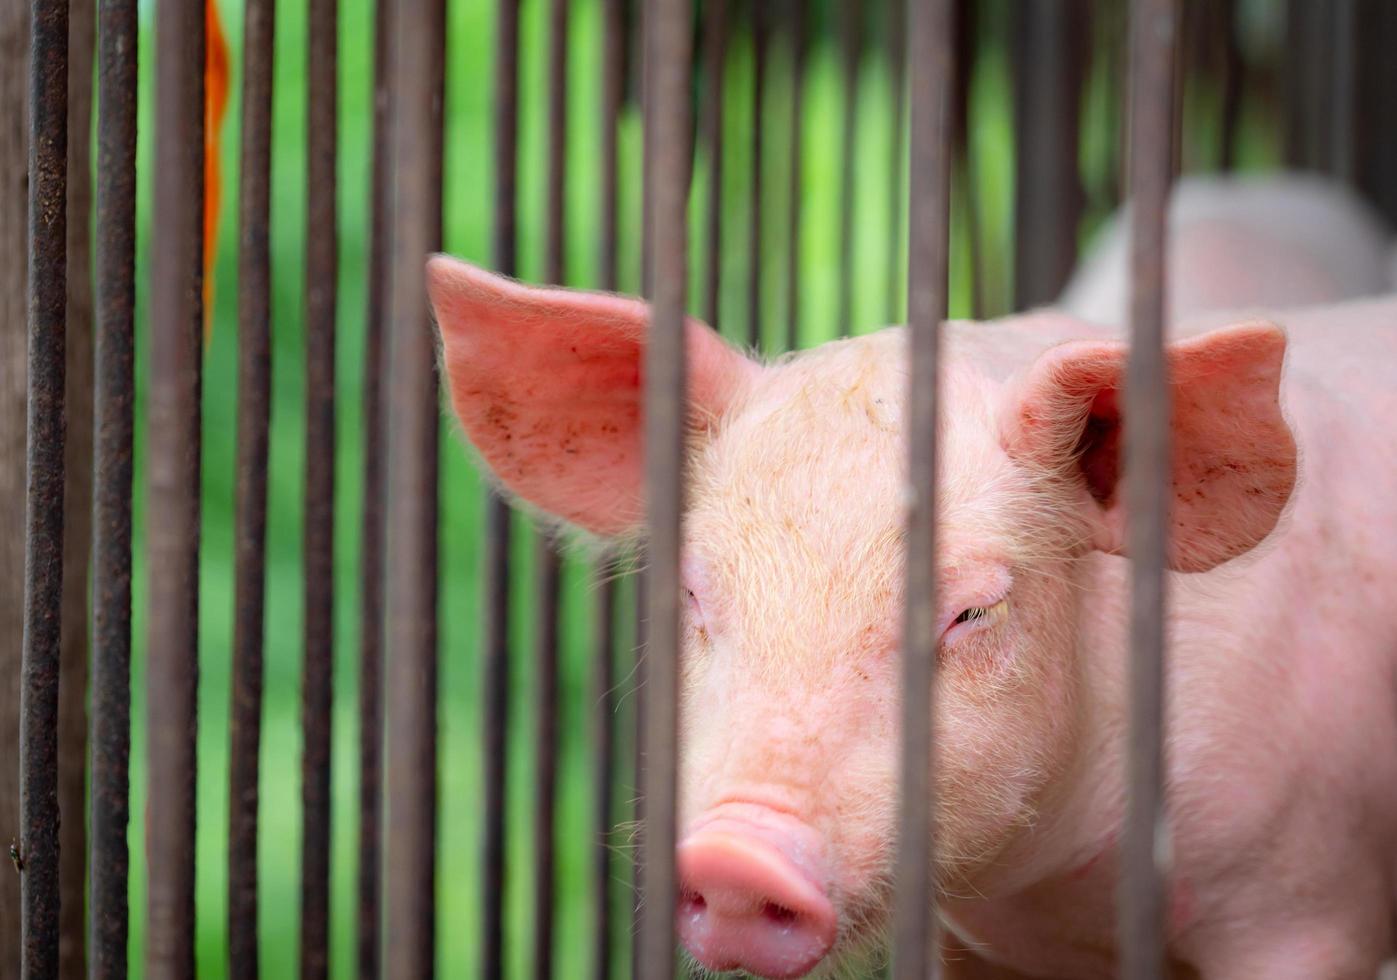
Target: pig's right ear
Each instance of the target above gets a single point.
(549, 384)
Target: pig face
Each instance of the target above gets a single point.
(793, 572)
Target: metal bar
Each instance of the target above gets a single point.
(495, 646)
(613, 90)
(43, 543)
(1153, 30)
(851, 37)
(1049, 59)
(760, 41)
(1343, 64)
(930, 57)
(604, 722)
(77, 500)
(254, 415)
(547, 561)
(114, 401)
(604, 740)
(897, 69)
(967, 47)
(14, 343)
(715, 36)
(1375, 151)
(418, 73)
(546, 578)
(371, 581)
(1233, 84)
(668, 69)
(322, 258)
(641, 37)
(798, 25)
(173, 447)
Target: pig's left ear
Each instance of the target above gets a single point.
(548, 385)
(1234, 460)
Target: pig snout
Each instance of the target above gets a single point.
(751, 896)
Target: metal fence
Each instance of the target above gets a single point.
(399, 594)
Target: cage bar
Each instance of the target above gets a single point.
(851, 49)
(43, 543)
(930, 58)
(418, 73)
(604, 641)
(322, 256)
(1153, 30)
(603, 648)
(371, 583)
(77, 503)
(495, 643)
(798, 25)
(761, 38)
(715, 46)
(667, 65)
(896, 41)
(114, 431)
(1050, 69)
(254, 417)
(548, 562)
(173, 477)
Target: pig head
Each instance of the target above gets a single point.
(793, 571)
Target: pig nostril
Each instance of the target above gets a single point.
(779, 914)
(692, 903)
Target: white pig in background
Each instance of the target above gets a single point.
(1276, 241)
(1282, 684)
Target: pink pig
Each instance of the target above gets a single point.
(1282, 712)
(1275, 241)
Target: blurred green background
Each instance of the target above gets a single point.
(469, 202)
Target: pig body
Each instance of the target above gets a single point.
(1277, 241)
(1282, 706)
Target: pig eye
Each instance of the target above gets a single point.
(979, 616)
(691, 604)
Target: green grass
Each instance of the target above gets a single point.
(877, 291)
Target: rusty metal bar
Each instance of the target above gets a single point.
(797, 24)
(668, 69)
(613, 91)
(371, 582)
(114, 401)
(77, 500)
(1319, 85)
(322, 258)
(1050, 69)
(548, 563)
(930, 57)
(173, 447)
(851, 40)
(547, 567)
(1233, 84)
(603, 683)
(897, 69)
(1375, 150)
(495, 645)
(254, 415)
(715, 41)
(14, 339)
(418, 74)
(1153, 31)
(761, 36)
(43, 544)
(604, 740)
